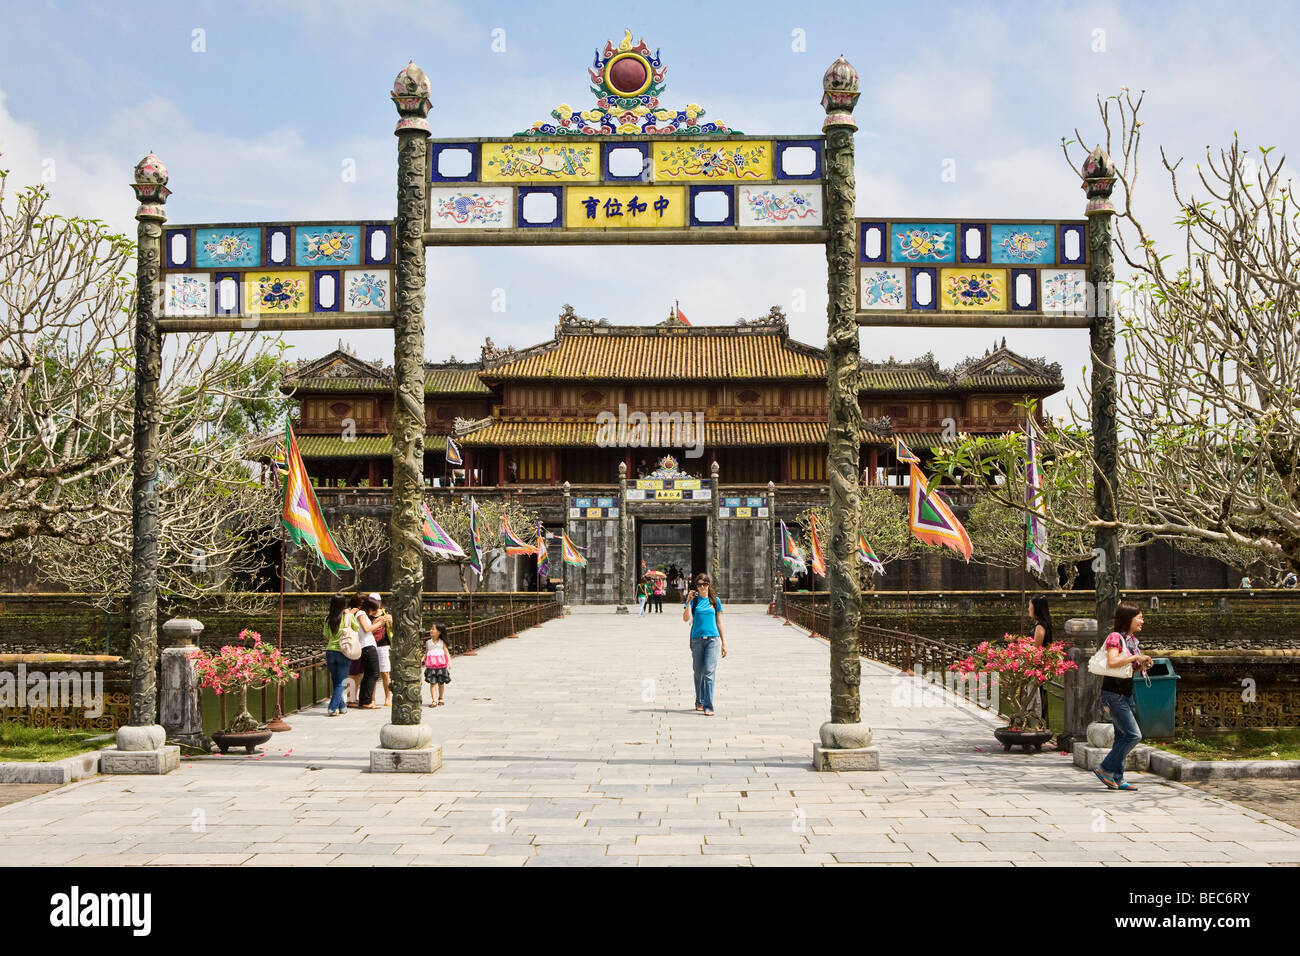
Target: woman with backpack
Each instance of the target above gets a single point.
(1122, 655)
(336, 661)
(703, 611)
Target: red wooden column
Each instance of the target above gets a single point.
(501, 466)
(373, 476)
(785, 465)
(873, 462)
(555, 467)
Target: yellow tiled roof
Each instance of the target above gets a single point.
(458, 381)
(666, 354)
(716, 434)
(363, 446)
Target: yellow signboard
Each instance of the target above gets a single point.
(284, 293)
(747, 161)
(593, 512)
(744, 512)
(668, 494)
(973, 289)
(625, 207)
(540, 162)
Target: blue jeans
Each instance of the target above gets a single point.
(1127, 733)
(337, 664)
(704, 661)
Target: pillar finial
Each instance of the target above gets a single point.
(840, 94)
(1098, 181)
(150, 188)
(411, 97)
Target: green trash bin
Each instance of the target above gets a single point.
(1155, 702)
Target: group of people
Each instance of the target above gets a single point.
(353, 680)
(650, 593)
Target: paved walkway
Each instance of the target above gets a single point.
(578, 744)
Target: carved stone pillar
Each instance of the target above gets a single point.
(845, 742)
(624, 547)
(406, 744)
(715, 555)
(773, 535)
(141, 743)
(1098, 181)
(151, 190)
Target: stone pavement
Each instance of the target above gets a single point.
(578, 743)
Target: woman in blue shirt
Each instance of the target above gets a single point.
(703, 611)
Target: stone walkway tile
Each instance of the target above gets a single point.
(862, 856)
(363, 848)
(199, 859)
(561, 762)
(760, 858)
(290, 859)
(112, 859)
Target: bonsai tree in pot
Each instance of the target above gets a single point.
(1020, 668)
(239, 667)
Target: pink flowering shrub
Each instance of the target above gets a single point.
(236, 667)
(1021, 667)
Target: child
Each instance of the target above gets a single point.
(437, 663)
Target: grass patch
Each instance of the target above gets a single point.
(20, 742)
(1237, 745)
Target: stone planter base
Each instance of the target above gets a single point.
(854, 758)
(421, 760)
(1090, 758)
(163, 760)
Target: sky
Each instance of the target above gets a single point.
(262, 111)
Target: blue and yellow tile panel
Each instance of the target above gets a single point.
(600, 184)
(593, 508)
(277, 269)
(972, 266)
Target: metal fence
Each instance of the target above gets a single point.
(923, 657)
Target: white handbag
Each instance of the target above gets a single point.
(349, 641)
(1097, 664)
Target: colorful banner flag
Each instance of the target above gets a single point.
(279, 458)
(301, 513)
(1036, 516)
(543, 554)
(680, 317)
(436, 541)
(453, 454)
(932, 520)
(790, 552)
(818, 561)
(868, 555)
(477, 525)
(515, 545)
(571, 553)
(903, 453)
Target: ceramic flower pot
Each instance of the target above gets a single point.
(1025, 739)
(249, 740)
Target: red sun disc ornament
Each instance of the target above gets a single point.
(628, 74)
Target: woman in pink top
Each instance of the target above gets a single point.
(1117, 693)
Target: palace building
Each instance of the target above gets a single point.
(675, 443)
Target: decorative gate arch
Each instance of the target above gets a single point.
(626, 170)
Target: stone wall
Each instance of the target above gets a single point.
(597, 583)
(744, 568)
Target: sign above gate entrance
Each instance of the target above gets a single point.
(628, 164)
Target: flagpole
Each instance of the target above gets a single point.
(277, 724)
(1024, 542)
(510, 575)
